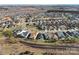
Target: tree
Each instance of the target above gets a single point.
(7, 33)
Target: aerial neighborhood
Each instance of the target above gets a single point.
(41, 25)
(35, 23)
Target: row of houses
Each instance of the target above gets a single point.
(9, 21)
(6, 22)
(46, 35)
(52, 24)
(49, 21)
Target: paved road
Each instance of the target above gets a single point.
(50, 46)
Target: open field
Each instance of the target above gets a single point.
(21, 48)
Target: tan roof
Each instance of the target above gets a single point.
(7, 18)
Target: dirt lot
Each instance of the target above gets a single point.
(18, 48)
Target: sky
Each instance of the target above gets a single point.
(42, 2)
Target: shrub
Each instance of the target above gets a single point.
(9, 36)
(26, 53)
(49, 53)
(13, 40)
(50, 41)
(69, 40)
(7, 33)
